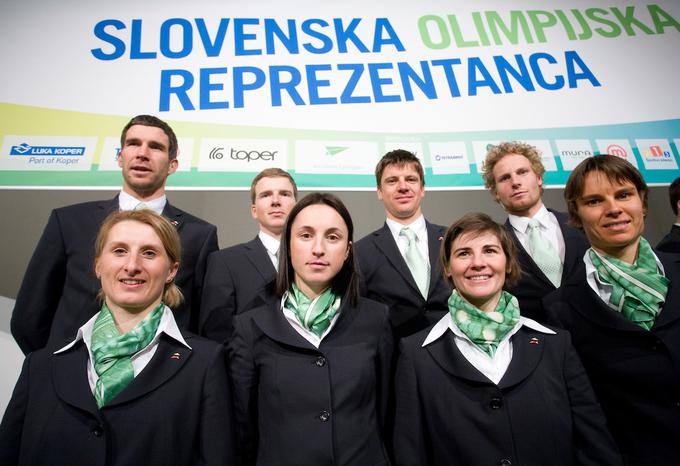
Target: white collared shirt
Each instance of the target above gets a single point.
(419, 227)
(550, 230)
(604, 290)
(305, 333)
(140, 359)
(129, 202)
(494, 367)
(271, 244)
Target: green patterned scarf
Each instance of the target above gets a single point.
(485, 329)
(112, 351)
(314, 315)
(639, 289)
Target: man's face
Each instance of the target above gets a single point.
(274, 197)
(518, 188)
(401, 191)
(145, 161)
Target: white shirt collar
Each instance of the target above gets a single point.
(129, 202)
(521, 223)
(447, 323)
(167, 325)
(270, 243)
(418, 226)
(305, 333)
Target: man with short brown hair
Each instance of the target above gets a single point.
(241, 277)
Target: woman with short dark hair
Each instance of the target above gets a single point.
(311, 370)
(487, 386)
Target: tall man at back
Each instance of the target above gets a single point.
(399, 262)
(549, 250)
(59, 290)
(241, 277)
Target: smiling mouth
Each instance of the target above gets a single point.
(131, 281)
(621, 225)
(478, 278)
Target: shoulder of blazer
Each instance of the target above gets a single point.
(171, 211)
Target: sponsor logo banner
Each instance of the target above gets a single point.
(338, 157)
(618, 147)
(242, 155)
(656, 154)
(573, 151)
(47, 153)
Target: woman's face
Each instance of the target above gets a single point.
(612, 215)
(477, 266)
(319, 245)
(133, 267)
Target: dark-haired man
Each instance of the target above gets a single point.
(549, 250)
(399, 263)
(59, 289)
(241, 277)
(671, 242)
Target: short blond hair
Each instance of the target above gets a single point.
(496, 153)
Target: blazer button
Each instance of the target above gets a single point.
(320, 361)
(97, 431)
(324, 416)
(506, 462)
(496, 403)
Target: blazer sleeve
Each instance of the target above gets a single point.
(208, 247)
(593, 443)
(408, 442)
(12, 425)
(41, 289)
(217, 434)
(218, 304)
(245, 382)
(385, 365)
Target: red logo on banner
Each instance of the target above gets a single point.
(615, 149)
(656, 151)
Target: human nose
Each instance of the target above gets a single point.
(275, 199)
(612, 207)
(477, 261)
(318, 248)
(402, 185)
(142, 150)
(133, 265)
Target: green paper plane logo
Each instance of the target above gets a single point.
(334, 150)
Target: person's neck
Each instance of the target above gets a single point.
(127, 319)
(627, 253)
(144, 196)
(274, 235)
(404, 220)
(529, 212)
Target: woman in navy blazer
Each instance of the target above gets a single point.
(526, 402)
(173, 406)
(310, 388)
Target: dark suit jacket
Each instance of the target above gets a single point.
(387, 278)
(296, 405)
(58, 291)
(237, 279)
(534, 285)
(635, 372)
(175, 412)
(671, 242)
(542, 412)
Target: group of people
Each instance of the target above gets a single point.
(550, 340)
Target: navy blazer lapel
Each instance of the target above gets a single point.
(527, 349)
(589, 305)
(173, 215)
(385, 242)
(447, 355)
(257, 254)
(671, 308)
(273, 323)
(435, 237)
(69, 374)
(168, 359)
(572, 237)
(104, 208)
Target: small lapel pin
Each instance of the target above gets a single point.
(174, 356)
(441, 238)
(533, 341)
(174, 223)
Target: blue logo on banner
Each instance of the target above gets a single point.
(28, 150)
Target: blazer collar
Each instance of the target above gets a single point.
(174, 215)
(259, 257)
(70, 374)
(435, 237)
(273, 323)
(527, 349)
(671, 308)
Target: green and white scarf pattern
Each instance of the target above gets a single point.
(638, 289)
(484, 329)
(313, 314)
(112, 351)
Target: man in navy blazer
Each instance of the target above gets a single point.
(385, 275)
(513, 172)
(241, 277)
(59, 289)
(671, 242)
